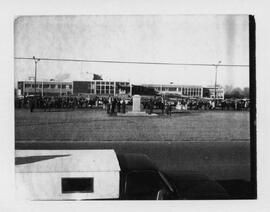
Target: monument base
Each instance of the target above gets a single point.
(131, 113)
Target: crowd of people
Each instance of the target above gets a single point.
(50, 103)
(118, 105)
(196, 104)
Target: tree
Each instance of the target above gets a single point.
(238, 93)
(97, 77)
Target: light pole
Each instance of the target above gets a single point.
(36, 61)
(216, 66)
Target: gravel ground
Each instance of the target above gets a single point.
(96, 125)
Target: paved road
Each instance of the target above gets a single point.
(219, 160)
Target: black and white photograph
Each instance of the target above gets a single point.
(135, 107)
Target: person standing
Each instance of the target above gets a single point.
(151, 106)
(113, 105)
(109, 105)
(123, 106)
(118, 105)
(32, 104)
(170, 109)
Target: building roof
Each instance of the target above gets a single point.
(172, 85)
(49, 82)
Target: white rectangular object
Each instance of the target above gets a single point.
(67, 174)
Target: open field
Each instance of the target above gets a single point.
(96, 125)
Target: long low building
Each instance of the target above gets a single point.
(103, 88)
(185, 90)
(192, 91)
(44, 88)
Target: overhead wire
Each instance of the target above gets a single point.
(132, 62)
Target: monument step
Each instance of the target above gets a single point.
(131, 113)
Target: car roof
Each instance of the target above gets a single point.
(66, 161)
(134, 161)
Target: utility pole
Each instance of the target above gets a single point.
(216, 67)
(36, 61)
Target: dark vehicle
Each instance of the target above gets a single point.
(103, 174)
(140, 179)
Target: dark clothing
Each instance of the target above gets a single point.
(108, 108)
(113, 106)
(162, 107)
(123, 106)
(32, 105)
(118, 106)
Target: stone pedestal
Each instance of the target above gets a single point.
(136, 106)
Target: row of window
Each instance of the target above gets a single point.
(177, 89)
(185, 91)
(105, 92)
(53, 86)
(110, 83)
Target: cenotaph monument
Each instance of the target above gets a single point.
(136, 108)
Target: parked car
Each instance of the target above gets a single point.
(140, 179)
(103, 174)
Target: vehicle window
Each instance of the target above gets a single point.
(77, 185)
(143, 185)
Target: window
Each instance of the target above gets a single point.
(52, 86)
(77, 185)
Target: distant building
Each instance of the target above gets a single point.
(45, 88)
(101, 88)
(209, 92)
(191, 91)
(185, 90)
(115, 88)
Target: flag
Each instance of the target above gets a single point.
(97, 77)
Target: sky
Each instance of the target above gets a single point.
(145, 38)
